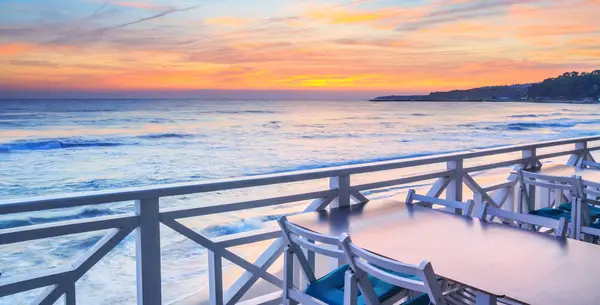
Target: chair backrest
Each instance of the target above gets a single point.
(298, 238)
(586, 231)
(571, 184)
(558, 226)
(465, 208)
(583, 220)
(591, 190)
(591, 197)
(363, 262)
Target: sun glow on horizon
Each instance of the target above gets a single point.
(370, 45)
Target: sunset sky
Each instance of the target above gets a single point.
(387, 46)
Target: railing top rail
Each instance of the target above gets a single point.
(136, 193)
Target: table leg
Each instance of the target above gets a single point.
(482, 298)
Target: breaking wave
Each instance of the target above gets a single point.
(50, 144)
(85, 212)
(244, 111)
(53, 144)
(167, 136)
(521, 126)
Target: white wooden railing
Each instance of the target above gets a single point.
(148, 216)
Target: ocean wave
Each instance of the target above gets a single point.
(551, 124)
(309, 125)
(85, 212)
(525, 115)
(232, 228)
(62, 143)
(518, 116)
(559, 123)
(167, 136)
(272, 125)
(244, 111)
(65, 248)
(53, 144)
(14, 124)
(330, 136)
(18, 116)
(91, 110)
(359, 161)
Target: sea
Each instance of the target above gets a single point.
(73, 146)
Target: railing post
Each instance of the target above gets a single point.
(148, 252)
(454, 190)
(577, 159)
(342, 184)
(215, 278)
(531, 154)
(70, 295)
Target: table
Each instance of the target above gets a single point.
(496, 259)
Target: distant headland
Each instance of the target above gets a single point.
(569, 87)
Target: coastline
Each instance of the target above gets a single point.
(490, 101)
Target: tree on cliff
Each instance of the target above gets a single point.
(569, 85)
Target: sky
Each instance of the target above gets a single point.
(330, 47)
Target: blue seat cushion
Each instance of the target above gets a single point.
(551, 213)
(420, 300)
(595, 225)
(330, 288)
(594, 211)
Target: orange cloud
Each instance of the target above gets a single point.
(384, 43)
(379, 18)
(585, 41)
(557, 29)
(14, 49)
(227, 21)
(586, 53)
(466, 29)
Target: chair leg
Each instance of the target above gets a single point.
(484, 299)
(350, 288)
(288, 280)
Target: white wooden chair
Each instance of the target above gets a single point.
(557, 226)
(329, 289)
(559, 185)
(417, 278)
(591, 191)
(587, 208)
(465, 208)
(298, 238)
